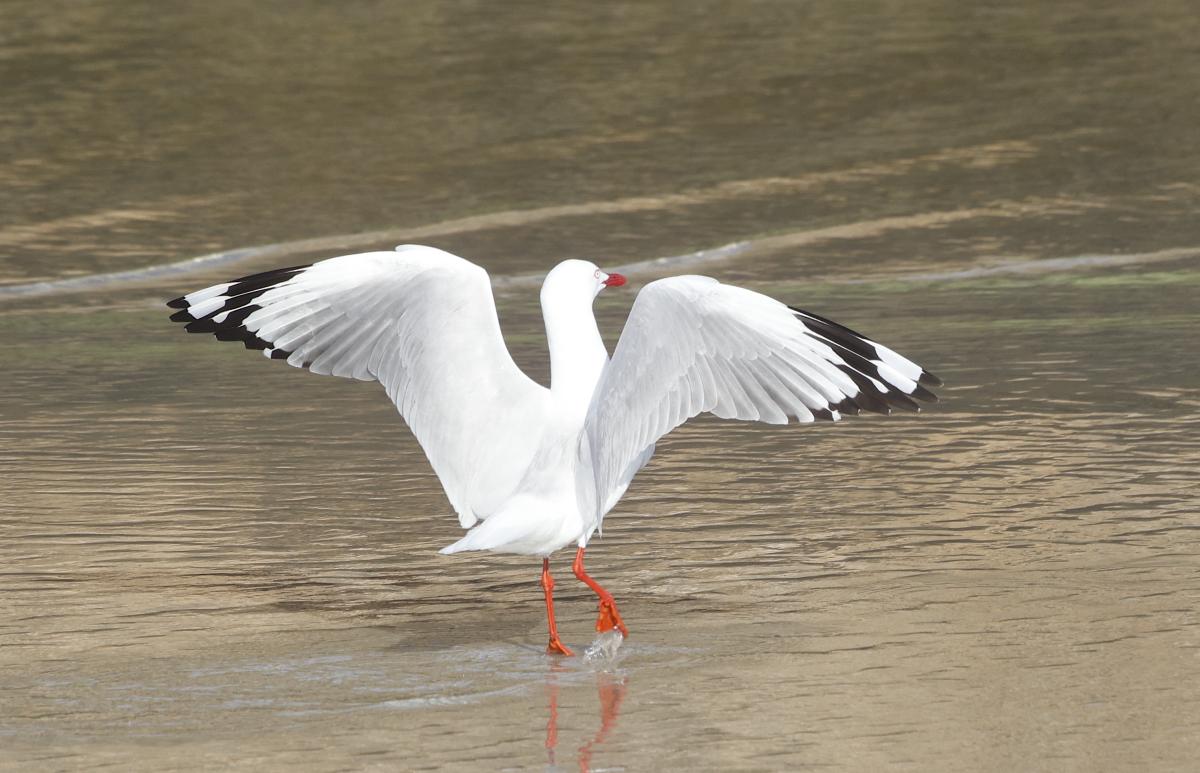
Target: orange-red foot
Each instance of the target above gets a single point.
(556, 647)
(610, 618)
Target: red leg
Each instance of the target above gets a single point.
(609, 617)
(555, 647)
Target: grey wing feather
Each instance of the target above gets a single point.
(692, 345)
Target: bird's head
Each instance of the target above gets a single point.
(579, 278)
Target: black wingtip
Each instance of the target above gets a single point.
(928, 379)
(178, 303)
(251, 341)
(901, 400)
(201, 326)
(868, 398)
(921, 393)
(848, 407)
(181, 316)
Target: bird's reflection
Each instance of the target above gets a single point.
(610, 689)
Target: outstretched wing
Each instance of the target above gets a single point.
(693, 345)
(420, 321)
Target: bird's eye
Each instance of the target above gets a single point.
(596, 273)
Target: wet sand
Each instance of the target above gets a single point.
(232, 562)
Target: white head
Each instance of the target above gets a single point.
(577, 281)
(577, 353)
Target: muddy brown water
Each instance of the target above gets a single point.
(210, 561)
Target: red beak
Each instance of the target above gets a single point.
(614, 280)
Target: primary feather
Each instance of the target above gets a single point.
(420, 321)
(693, 345)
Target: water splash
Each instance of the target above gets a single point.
(603, 651)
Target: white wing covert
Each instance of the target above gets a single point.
(420, 321)
(692, 345)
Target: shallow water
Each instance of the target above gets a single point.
(215, 561)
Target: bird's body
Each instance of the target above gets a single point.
(531, 469)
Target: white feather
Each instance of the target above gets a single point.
(742, 356)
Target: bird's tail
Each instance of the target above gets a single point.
(514, 529)
(488, 535)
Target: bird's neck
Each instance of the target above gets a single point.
(577, 353)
